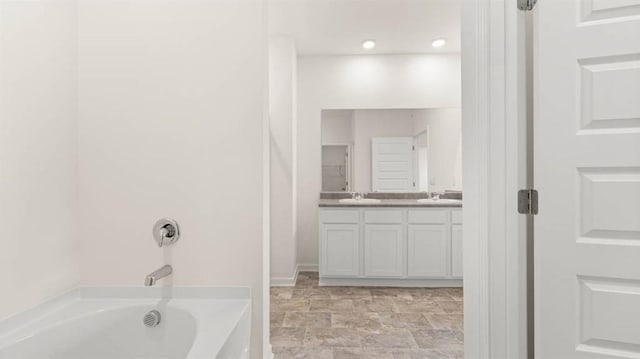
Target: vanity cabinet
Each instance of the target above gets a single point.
(340, 244)
(383, 250)
(391, 246)
(428, 251)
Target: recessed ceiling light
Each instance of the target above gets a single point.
(438, 42)
(368, 44)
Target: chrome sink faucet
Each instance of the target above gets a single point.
(357, 196)
(160, 273)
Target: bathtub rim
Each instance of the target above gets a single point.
(22, 321)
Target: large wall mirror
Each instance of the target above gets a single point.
(412, 150)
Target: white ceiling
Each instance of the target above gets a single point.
(338, 27)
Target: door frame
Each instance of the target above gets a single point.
(494, 133)
(494, 167)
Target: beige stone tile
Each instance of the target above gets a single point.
(451, 306)
(377, 304)
(398, 293)
(281, 293)
(389, 339)
(332, 337)
(455, 353)
(311, 293)
(455, 293)
(276, 319)
(359, 353)
(287, 337)
(446, 321)
(302, 353)
(290, 305)
(367, 321)
(438, 339)
(307, 319)
(420, 354)
(349, 293)
(416, 306)
(308, 275)
(331, 305)
(404, 320)
(433, 294)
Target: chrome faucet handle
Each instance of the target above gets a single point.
(166, 232)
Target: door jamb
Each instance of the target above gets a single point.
(494, 167)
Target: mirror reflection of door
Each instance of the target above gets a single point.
(392, 150)
(335, 168)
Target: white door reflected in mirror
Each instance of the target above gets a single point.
(358, 153)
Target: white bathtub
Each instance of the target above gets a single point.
(107, 323)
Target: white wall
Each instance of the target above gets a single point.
(368, 124)
(283, 121)
(444, 133)
(359, 82)
(38, 246)
(172, 103)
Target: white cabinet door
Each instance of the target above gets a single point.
(383, 248)
(339, 250)
(428, 250)
(456, 250)
(587, 170)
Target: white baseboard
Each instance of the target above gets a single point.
(307, 268)
(291, 281)
(375, 282)
(284, 281)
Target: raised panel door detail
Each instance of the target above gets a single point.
(587, 171)
(610, 203)
(608, 10)
(383, 247)
(427, 250)
(609, 316)
(340, 250)
(610, 87)
(456, 250)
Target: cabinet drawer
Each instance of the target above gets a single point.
(338, 216)
(430, 217)
(383, 216)
(456, 217)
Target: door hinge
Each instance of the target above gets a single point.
(528, 201)
(413, 148)
(526, 5)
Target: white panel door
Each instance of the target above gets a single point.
(392, 164)
(428, 250)
(456, 250)
(587, 171)
(383, 250)
(340, 249)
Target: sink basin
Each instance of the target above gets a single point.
(359, 201)
(440, 201)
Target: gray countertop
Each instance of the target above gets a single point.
(387, 203)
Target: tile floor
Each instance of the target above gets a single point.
(308, 321)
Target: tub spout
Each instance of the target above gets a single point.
(160, 273)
